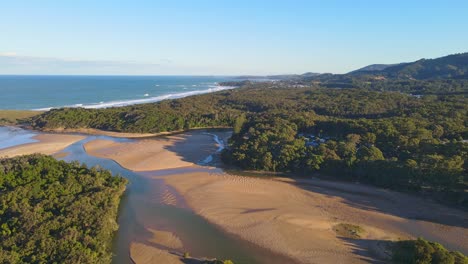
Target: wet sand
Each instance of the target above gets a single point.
(295, 218)
(143, 253)
(48, 144)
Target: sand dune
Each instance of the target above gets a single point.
(48, 144)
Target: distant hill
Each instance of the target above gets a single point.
(453, 67)
(374, 67)
(448, 67)
(280, 77)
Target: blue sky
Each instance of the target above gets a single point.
(224, 37)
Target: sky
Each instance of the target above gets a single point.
(201, 37)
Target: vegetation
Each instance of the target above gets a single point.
(449, 67)
(389, 139)
(348, 230)
(10, 117)
(421, 251)
(56, 212)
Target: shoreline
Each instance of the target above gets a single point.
(148, 100)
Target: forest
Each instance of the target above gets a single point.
(387, 138)
(56, 212)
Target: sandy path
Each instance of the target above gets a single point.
(48, 144)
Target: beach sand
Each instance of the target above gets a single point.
(48, 144)
(295, 218)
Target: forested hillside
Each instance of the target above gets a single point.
(56, 212)
(449, 67)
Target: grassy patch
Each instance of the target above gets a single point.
(12, 117)
(348, 230)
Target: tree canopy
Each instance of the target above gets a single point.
(56, 212)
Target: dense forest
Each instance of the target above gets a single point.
(56, 212)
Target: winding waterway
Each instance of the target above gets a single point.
(144, 207)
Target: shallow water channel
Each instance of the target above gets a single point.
(145, 205)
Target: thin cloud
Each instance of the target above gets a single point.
(11, 63)
(7, 54)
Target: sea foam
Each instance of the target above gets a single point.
(109, 104)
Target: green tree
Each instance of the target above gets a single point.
(369, 153)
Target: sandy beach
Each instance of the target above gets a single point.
(47, 144)
(295, 218)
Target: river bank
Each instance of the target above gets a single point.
(293, 218)
(296, 219)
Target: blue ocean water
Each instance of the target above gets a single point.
(45, 92)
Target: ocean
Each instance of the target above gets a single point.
(46, 92)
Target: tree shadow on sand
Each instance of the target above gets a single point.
(409, 207)
(198, 146)
(369, 250)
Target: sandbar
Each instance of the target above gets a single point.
(48, 144)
